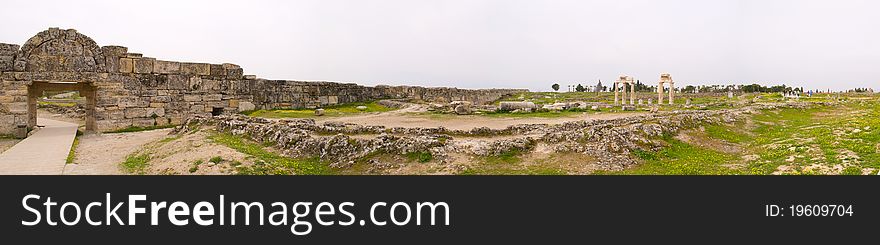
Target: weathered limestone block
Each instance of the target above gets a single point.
(217, 71)
(166, 67)
(246, 106)
(201, 69)
(7, 123)
(114, 51)
(7, 53)
(233, 71)
(160, 99)
(513, 105)
(126, 65)
(178, 82)
(143, 122)
(8, 49)
(195, 83)
(115, 114)
(176, 120)
(19, 65)
(210, 85)
(17, 107)
(108, 125)
(143, 65)
(197, 108)
(128, 101)
(192, 97)
(333, 100)
(212, 97)
(106, 100)
(161, 121)
(135, 112)
(112, 55)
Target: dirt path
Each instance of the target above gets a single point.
(405, 118)
(101, 153)
(42, 113)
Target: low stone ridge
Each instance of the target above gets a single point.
(610, 141)
(134, 90)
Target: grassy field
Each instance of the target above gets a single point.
(270, 163)
(52, 103)
(329, 111)
(839, 139)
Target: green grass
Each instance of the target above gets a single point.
(216, 160)
(507, 157)
(724, 132)
(419, 156)
(131, 129)
(195, 166)
(679, 158)
(329, 111)
(71, 156)
(136, 163)
(270, 163)
(169, 139)
(819, 135)
(59, 104)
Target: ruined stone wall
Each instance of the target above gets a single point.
(133, 90)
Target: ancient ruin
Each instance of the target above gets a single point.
(623, 81)
(127, 89)
(664, 79)
(345, 128)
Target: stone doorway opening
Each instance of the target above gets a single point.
(38, 88)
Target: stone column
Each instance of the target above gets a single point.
(660, 92)
(33, 93)
(671, 92)
(91, 100)
(615, 93)
(632, 93)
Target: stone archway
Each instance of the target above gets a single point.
(57, 50)
(64, 56)
(36, 89)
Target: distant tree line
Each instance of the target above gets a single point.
(751, 88)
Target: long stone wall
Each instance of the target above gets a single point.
(133, 90)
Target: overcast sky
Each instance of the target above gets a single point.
(489, 43)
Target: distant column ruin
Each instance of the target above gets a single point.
(664, 79)
(623, 81)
